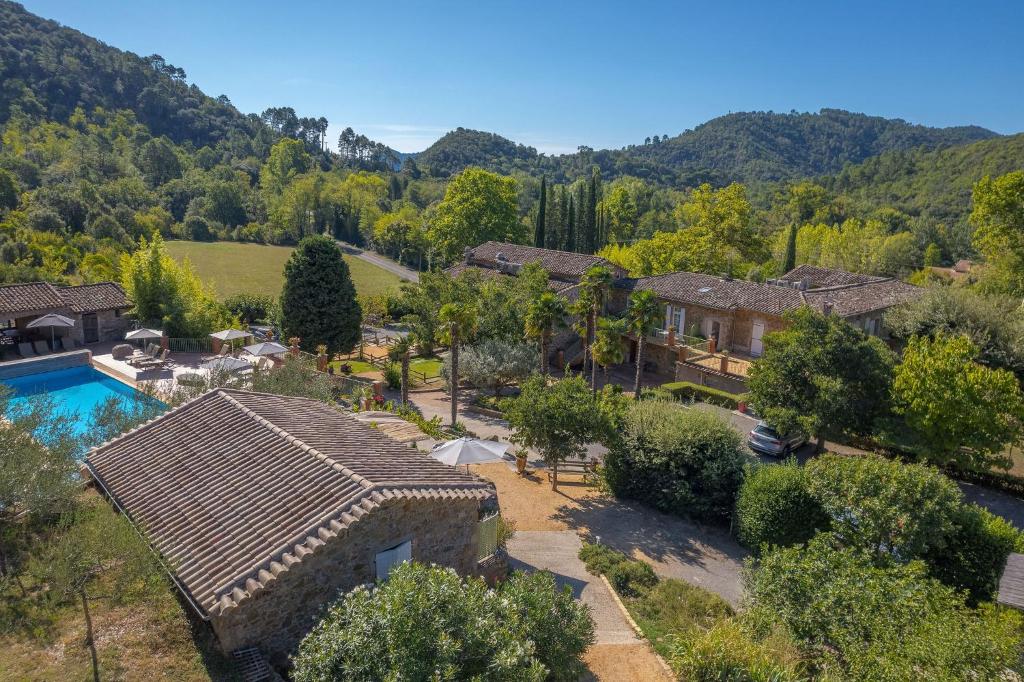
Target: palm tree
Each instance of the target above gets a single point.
(607, 348)
(597, 281)
(580, 310)
(400, 353)
(643, 313)
(459, 323)
(543, 316)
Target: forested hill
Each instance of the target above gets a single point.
(933, 184)
(745, 147)
(47, 70)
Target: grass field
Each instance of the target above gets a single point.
(235, 267)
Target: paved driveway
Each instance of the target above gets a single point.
(557, 551)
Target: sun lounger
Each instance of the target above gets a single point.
(41, 347)
(58, 345)
(25, 349)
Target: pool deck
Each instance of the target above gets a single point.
(177, 364)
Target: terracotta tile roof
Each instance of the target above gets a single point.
(85, 298)
(826, 277)
(866, 294)
(89, 298)
(21, 298)
(233, 488)
(556, 285)
(857, 299)
(559, 264)
(724, 294)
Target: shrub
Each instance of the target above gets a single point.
(250, 307)
(600, 559)
(686, 462)
(632, 578)
(875, 619)
(393, 376)
(425, 622)
(686, 390)
(728, 652)
(883, 506)
(775, 507)
(975, 553)
(677, 606)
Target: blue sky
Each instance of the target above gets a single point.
(556, 75)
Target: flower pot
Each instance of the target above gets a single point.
(520, 465)
(742, 407)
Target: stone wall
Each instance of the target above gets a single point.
(111, 325)
(743, 327)
(442, 531)
(697, 374)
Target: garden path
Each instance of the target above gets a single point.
(617, 654)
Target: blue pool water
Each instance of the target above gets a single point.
(76, 392)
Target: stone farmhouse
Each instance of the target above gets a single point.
(716, 320)
(564, 268)
(263, 508)
(97, 309)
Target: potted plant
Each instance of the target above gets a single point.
(521, 460)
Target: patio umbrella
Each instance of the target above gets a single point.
(52, 320)
(230, 335)
(226, 364)
(468, 451)
(266, 348)
(143, 334)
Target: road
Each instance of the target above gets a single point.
(380, 261)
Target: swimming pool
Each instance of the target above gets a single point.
(76, 391)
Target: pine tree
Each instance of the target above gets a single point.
(318, 302)
(538, 235)
(554, 218)
(789, 260)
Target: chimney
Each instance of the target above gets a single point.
(803, 284)
(826, 307)
(467, 253)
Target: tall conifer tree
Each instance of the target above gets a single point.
(789, 260)
(538, 233)
(570, 229)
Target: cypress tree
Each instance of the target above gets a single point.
(789, 260)
(318, 302)
(570, 230)
(581, 218)
(538, 234)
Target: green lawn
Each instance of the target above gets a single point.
(235, 267)
(431, 367)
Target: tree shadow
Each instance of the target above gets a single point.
(633, 527)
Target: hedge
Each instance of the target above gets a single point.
(687, 389)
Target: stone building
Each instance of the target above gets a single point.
(565, 268)
(264, 508)
(723, 314)
(97, 309)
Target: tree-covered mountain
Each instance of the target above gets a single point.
(743, 147)
(48, 70)
(934, 184)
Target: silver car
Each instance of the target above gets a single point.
(766, 440)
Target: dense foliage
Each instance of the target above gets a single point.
(775, 507)
(860, 619)
(957, 410)
(168, 295)
(686, 462)
(821, 376)
(318, 302)
(428, 623)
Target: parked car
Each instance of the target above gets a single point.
(766, 440)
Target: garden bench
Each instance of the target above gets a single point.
(585, 467)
